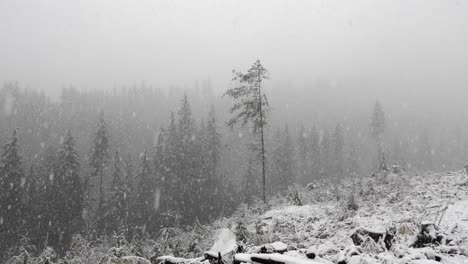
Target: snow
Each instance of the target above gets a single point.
(279, 246)
(134, 260)
(456, 218)
(250, 258)
(225, 243)
(174, 260)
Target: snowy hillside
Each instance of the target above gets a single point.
(322, 230)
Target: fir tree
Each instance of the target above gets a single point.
(160, 183)
(170, 168)
(188, 174)
(71, 190)
(12, 183)
(145, 195)
(117, 205)
(48, 223)
(129, 179)
(97, 163)
(212, 152)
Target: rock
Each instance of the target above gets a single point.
(292, 248)
(170, 260)
(400, 251)
(325, 250)
(224, 248)
(369, 246)
(430, 253)
(279, 247)
(311, 252)
(344, 257)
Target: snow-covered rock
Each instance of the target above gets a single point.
(272, 259)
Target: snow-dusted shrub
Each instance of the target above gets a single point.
(48, 256)
(22, 254)
(259, 207)
(241, 232)
(351, 203)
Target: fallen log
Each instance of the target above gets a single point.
(359, 236)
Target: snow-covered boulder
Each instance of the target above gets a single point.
(279, 247)
(224, 247)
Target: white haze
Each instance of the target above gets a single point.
(411, 52)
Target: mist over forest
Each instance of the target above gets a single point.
(277, 132)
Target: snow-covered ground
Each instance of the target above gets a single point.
(393, 203)
(320, 230)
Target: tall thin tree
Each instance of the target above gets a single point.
(251, 106)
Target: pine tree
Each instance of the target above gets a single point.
(212, 150)
(191, 180)
(117, 205)
(97, 164)
(144, 200)
(251, 106)
(159, 180)
(48, 223)
(34, 200)
(12, 182)
(71, 191)
(130, 192)
(170, 169)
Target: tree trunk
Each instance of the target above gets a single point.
(262, 139)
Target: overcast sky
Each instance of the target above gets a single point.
(408, 44)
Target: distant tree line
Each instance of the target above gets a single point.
(96, 162)
(174, 183)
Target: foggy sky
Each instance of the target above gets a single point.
(406, 48)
